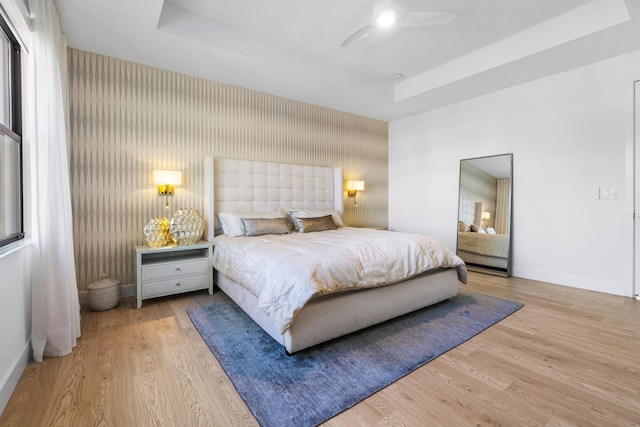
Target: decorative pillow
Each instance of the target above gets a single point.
(262, 226)
(308, 225)
(231, 223)
(463, 227)
(477, 229)
(316, 213)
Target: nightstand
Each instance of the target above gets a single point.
(173, 269)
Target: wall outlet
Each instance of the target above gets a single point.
(596, 193)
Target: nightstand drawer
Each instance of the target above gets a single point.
(172, 286)
(174, 269)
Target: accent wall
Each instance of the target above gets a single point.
(127, 119)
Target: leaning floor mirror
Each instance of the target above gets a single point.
(484, 213)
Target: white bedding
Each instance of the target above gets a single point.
(285, 271)
(496, 245)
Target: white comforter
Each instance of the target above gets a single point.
(285, 271)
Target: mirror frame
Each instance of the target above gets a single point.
(476, 266)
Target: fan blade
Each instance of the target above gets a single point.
(425, 19)
(361, 34)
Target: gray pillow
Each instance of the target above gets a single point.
(262, 226)
(321, 223)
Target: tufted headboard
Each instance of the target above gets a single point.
(467, 211)
(252, 186)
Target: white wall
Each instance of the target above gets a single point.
(15, 259)
(15, 317)
(568, 133)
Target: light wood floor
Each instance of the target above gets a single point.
(568, 357)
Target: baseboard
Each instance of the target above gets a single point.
(10, 382)
(608, 286)
(125, 292)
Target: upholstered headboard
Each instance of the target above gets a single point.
(468, 211)
(251, 186)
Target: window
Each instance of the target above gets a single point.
(11, 218)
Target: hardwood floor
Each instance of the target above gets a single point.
(568, 357)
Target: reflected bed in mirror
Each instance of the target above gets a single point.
(484, 213)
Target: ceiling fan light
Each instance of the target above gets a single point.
(386, 18)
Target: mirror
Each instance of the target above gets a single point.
(484, 214)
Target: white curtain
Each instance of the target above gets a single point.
(503, 204)
(56, 309)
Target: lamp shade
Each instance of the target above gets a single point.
(354, 186)
(165, 177)
(486, 215)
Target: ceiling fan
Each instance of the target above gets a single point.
(387, 13)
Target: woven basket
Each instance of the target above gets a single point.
(104, 294)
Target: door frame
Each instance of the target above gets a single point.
(635, 171)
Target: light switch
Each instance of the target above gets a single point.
(611, 193)
(604, 193)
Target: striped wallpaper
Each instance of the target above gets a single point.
(127, 119)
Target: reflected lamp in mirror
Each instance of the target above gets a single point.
(485, 216)
(166, 181)
(352, 188)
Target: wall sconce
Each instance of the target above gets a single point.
(165, 180)
(485, 216)
(352, 188)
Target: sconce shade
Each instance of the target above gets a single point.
(354, 186)
(485, 216)
(165, 180)
(165, 177)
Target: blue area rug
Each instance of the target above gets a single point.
(314, 385)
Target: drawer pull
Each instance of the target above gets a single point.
(177, 284)
(177, 268)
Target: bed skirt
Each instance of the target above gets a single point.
(328, 317)
(491, 261)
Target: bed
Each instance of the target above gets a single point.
(479, 246)
(484, 249)
(246, 267)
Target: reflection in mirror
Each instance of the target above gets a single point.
(484, 213)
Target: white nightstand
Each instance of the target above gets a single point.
(172, 269)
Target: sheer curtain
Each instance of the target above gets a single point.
(502, 205)
(55, 307)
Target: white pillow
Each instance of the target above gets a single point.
(315, 213)
(231, 223)
(490, 230)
